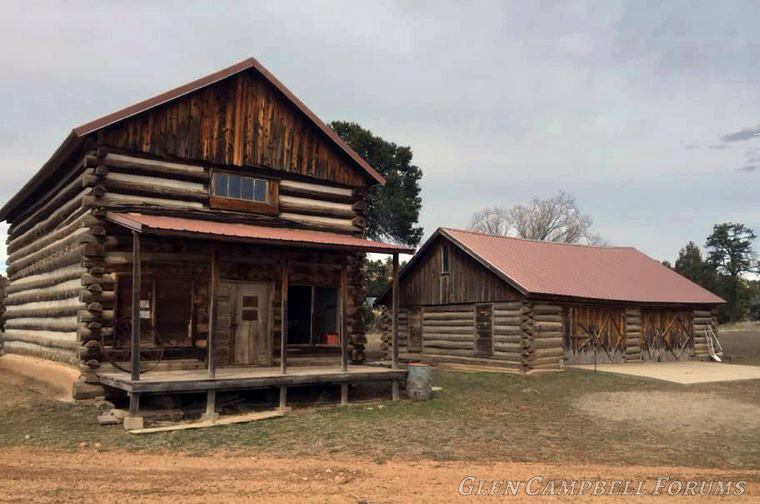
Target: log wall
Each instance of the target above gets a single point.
(448, 334)
(448, 330)
(130, 183)
(49, 244)
(63, 256)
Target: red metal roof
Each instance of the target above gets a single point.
(77, 136)
(605, 273)
(165, 225)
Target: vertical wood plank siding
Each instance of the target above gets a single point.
(240, 121)
(468, 281)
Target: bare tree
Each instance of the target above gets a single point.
(557, 219)
(493, 221)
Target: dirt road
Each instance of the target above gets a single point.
(31, 476)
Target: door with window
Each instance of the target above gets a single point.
(249, 309)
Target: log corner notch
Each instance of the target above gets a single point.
(704, 320)
(97, 296)
(542, 328)
(632, 334)
(357, 293)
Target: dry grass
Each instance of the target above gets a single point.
(741, 342)
(477, 416)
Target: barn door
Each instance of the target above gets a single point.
(483, 330)
(414, 342)
(667, 335)
(594, 334)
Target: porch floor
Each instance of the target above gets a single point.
(237, 378)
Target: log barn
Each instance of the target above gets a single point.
(197, 241)
(478, 299)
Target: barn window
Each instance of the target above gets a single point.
(445, 267)
(233, 191)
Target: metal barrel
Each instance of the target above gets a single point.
(419, 381)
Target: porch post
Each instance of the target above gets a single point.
(395, 301)
(394, 315)
(343, 295)
(284, 314)
(135, 336)
(213, 288)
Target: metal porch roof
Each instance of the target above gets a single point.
(231, 231)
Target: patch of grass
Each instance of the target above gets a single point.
(741, 342)
(476, 417)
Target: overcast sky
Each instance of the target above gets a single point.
(645, 111)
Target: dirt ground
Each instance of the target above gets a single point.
(697, 412)
(483, 425)
(91, 476)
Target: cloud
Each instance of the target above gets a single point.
(718, 146)
(743, 135)
(543, 95)
(748, 168)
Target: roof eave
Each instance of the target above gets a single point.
(67, 147)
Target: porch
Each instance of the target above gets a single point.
(235, 310)
(247, 378)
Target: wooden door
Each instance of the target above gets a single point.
(414, 342)
(667, 335)
(594, 334)
(483, 330)
(250, 322)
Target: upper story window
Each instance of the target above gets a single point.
(445, 268)
(239, 192)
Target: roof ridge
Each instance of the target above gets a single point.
(481, 233)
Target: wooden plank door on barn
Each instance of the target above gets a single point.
(414, 343)
(483, 330)
(667, 335)
(246, 310)
(594, 334)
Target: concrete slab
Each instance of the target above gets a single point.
(685, 373)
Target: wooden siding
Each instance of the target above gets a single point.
(468, 281)
(240, 121)
(667, 334)
(594, 333)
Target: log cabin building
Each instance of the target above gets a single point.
(473, 298)
(224, 216)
